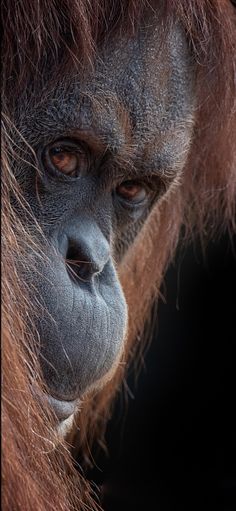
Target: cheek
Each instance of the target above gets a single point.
(81, 327)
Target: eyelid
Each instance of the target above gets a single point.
(132, 204)
(147, 185)
(67, 148)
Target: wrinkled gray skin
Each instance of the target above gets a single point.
(150, 84)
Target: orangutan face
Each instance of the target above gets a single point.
(109, 146)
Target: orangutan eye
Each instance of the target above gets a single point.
(132, 191)
(65, 158)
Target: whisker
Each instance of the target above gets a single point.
(73, 272)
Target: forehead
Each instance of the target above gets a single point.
(139, 95)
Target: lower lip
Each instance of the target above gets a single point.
(63, 409)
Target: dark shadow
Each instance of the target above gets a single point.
(175, 448)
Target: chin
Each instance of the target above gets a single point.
(64, 427)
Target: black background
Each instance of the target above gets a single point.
(174, 447)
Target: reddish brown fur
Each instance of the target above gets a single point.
(34, 475)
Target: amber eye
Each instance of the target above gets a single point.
(64, 161)
(132, 191)
(68, 159)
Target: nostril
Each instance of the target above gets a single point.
(78, 267)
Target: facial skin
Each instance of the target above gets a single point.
(108, 148)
